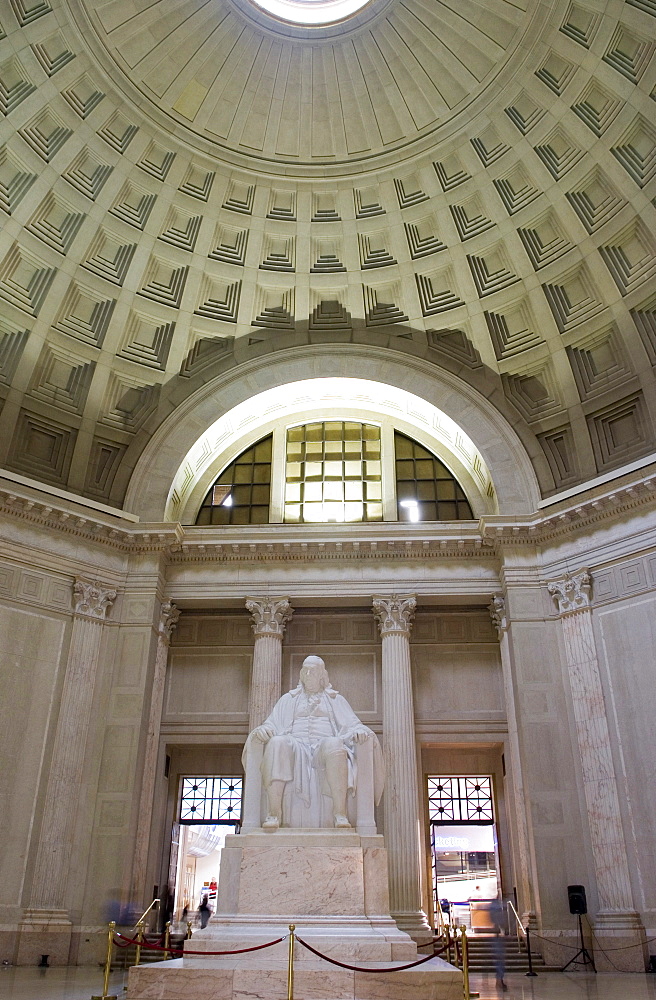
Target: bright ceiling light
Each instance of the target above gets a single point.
(412, 508)
(311, 11)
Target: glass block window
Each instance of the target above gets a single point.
(460, 800)
(425, 489)
(215, 800)
(333, 473)
(242, 492)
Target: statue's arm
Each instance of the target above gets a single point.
(351, 728)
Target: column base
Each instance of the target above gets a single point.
(414, 923)
(44, 932)
(619, 941)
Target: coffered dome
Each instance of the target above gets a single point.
(189, 187)
(235, 80)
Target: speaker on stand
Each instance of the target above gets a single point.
(578, 905)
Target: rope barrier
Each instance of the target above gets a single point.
(574, 947)
(185, 951)
(355, 968)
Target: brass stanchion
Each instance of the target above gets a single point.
(290, 964)
(108, 965)
(188, 929)
(167, 941)
(465, 966)
(140, 937)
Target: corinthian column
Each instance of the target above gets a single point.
(168, 619)
(47, 913)
(401, 799)
(617, 917)
(270, 616)
(518, 824)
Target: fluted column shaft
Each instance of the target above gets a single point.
(401, 799)
(168, 618)
(518, 821)
(51, 873)
(269, 619)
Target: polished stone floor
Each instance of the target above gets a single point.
(80, 983)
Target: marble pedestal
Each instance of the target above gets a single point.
(332, 884)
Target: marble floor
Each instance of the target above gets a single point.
(80, 983)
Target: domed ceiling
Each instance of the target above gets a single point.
(241, 81)
(188, 184)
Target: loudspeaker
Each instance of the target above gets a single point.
(577, 900)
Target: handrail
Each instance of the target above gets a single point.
(518, 923)
(144, 914)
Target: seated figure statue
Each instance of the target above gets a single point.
(309, 755)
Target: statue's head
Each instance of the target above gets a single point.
(314, 676)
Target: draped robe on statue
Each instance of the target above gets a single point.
(306, 721)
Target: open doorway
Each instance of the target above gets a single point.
(464, 846)
(209, 808)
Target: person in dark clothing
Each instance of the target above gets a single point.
(204, 912)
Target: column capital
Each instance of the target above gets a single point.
(497, 609)
(394, 614)
(168, 619)
(572, 593)
(270, 615)
(91, 600)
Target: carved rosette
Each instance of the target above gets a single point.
(497, 609)
(270, 615)
(395, 614)
(168, 620)
(572, 593)
(90, 600)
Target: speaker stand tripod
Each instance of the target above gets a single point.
(586, 957)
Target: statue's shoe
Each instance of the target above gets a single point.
(271, 823)
(342, 823)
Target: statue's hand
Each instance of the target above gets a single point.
(360, 735)
(262, 733)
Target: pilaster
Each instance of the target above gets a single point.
(168, 619)
(46, 927)
(617, 923)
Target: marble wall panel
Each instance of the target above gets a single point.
(456, 680)
(207, 683)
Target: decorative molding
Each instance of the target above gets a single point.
(572, 593)
(91, 600)
(497, 609)
(395, 614)
(270, 615)
(168, 620)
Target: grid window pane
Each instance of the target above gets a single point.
(333, 463)
(425, 489)
(460, 799)
(215, 799)
(238, 501)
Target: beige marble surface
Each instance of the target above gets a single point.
(227, 979)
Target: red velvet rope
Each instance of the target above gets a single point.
(355, 968)
(181, 951)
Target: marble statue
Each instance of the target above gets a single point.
(309, 762)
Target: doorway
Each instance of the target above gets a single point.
(464, 845)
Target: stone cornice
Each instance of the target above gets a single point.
(278, 542)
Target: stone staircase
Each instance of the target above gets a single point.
(481, 952)
(124, 958)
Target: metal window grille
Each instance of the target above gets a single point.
(214, 799)
(460, 800)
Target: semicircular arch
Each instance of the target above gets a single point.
(180, 450)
